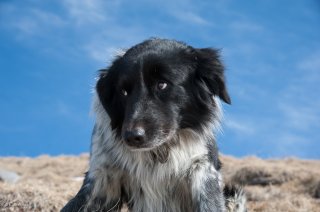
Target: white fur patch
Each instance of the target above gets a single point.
(155, 179)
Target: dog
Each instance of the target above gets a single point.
(153, 145)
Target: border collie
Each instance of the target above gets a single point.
(153, 145)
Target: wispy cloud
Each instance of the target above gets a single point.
(310, 65)
(300, 117)
(15, 129)
(87, 11)
(103, 46)
(299, 102)
(240, 126)
(190, 17)
(246, 26)
(30, 21)
(66, 110)
(288, 144)
(103, 53)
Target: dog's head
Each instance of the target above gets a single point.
(159, 87)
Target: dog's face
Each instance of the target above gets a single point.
(159, 87)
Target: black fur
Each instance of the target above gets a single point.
(153, 147)
(193, 76)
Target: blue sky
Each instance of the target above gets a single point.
(50, 52)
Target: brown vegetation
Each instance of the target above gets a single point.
(47, 183)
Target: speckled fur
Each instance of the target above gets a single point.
(147, 184)
(181, 174)
(151, 185)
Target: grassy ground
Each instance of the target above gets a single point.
(47, 183)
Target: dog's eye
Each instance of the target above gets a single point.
(124, 92)
(162, 85)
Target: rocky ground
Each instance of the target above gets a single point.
(46, 183)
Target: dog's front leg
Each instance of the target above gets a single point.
(101, 191)
(205, 188)
(79, 202)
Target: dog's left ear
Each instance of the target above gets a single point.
(211, 71)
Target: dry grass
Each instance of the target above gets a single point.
(276, 185)
(46, 183)
(271, 185)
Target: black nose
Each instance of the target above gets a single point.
(134, 137)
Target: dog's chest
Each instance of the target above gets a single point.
(154, 194)
(164, 186)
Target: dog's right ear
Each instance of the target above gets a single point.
(107, 92)
(105, 88)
